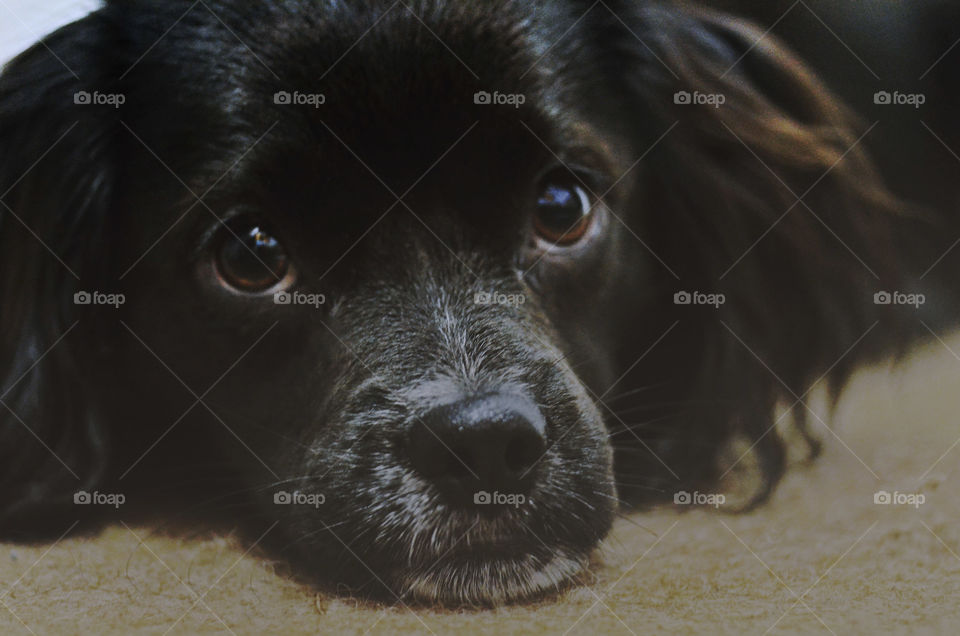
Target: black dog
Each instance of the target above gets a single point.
(424, 290)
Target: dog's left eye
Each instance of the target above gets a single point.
(564, 211)
(250, 260)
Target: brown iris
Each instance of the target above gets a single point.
(251, 260)
(563, 213)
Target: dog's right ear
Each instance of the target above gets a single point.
(57, 171)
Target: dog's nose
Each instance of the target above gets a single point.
(473, 448)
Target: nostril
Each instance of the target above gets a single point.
(460, 463)
(433, 456)
(523, 451)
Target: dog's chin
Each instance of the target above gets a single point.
(498, 559)
(485, 579)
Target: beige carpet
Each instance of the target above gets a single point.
(822, 557)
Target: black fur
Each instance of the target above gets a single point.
(189, 394)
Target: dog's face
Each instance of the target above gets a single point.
(383, 266)
(440, 255)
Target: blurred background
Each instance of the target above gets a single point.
(23, 22)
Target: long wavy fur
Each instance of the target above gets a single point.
(720, 207)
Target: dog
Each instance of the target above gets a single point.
(419, 294)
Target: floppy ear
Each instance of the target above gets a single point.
(56, 176)
(755, 132)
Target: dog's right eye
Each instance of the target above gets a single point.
(250, 260)
(564, 211)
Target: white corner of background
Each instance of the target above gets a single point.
(25, 22)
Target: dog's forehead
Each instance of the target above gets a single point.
(383, 78)
(405, 60)
(342, 45)
(338, 110)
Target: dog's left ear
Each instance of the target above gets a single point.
(57, 173)
(762, 191)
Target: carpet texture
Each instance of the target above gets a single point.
(821, 557)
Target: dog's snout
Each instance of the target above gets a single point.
(478, 446)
